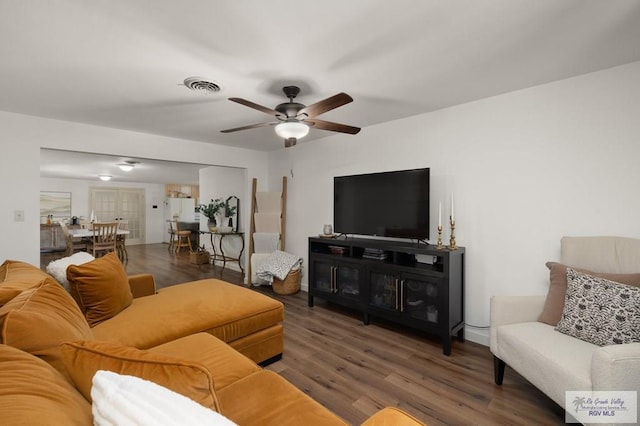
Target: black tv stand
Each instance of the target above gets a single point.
(416, 285)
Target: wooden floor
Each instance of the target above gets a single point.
(167, 267)
(354, 369)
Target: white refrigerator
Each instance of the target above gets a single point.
(182, 208)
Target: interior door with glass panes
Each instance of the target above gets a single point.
(110, 204)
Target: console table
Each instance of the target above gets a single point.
(412, 284)
(52, 238)
(221, 256)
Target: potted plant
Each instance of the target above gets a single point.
(212, 210)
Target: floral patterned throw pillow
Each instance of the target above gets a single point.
(600, 311)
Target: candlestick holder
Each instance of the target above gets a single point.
(452, 239)
(439, 246)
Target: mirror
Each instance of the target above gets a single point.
(233, 203)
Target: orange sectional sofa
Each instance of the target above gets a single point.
(202, 339)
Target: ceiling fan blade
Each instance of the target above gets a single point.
(256, 106)
(252, 126)
(290, 142)
(325, 105)
(334, 127)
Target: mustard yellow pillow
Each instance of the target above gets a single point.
(7, 293)
(38, 320)
(16, 276)
(101, 287)
(34, 393)
(16, 270)
(83, 359)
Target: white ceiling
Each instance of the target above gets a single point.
(121, 63)
(87, 166)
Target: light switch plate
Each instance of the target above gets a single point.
(18, 215)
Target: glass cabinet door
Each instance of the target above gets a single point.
(347, 281)
(412, 298)
(421, 300)
(322, 277)
(335, 278)
(383, 291)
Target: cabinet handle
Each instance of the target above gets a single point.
(396, 294)
(334, 286)
(331, 281)
(401, 295)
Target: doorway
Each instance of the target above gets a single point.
(109, 204)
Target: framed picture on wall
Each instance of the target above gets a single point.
(57, 204)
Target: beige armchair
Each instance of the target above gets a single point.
(555, 362)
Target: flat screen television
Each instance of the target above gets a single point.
(386, 204)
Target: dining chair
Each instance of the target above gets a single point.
(73, 244)
(183, 238)
(172, 234)
(104, 238)
(121, 239)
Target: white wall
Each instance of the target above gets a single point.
(154, 195)
(223, 182)
(22, 137)
(526, 168)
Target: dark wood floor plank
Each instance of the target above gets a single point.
(354, 370)
(167, 267)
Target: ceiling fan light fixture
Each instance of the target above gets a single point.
(127, 166)
(292, 129)
(104, 177)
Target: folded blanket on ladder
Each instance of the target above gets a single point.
(266, 242)
(278, 264)
(268, 222)
(258, 259)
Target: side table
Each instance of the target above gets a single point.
(221, 256)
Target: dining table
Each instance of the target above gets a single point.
(85, 234)
(88, 232)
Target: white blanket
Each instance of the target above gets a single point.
(267, 222)
(126, 400)
(269, 202)
(278, 264)
(266, 242)
(58, 268)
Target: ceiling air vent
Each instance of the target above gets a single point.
(199, 84)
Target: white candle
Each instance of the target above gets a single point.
(440, 214)
(453, 216)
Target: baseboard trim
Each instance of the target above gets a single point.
(477, 336)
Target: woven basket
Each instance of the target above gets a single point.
(290, 284)
(199, 257)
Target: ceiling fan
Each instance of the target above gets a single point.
(294, 119)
